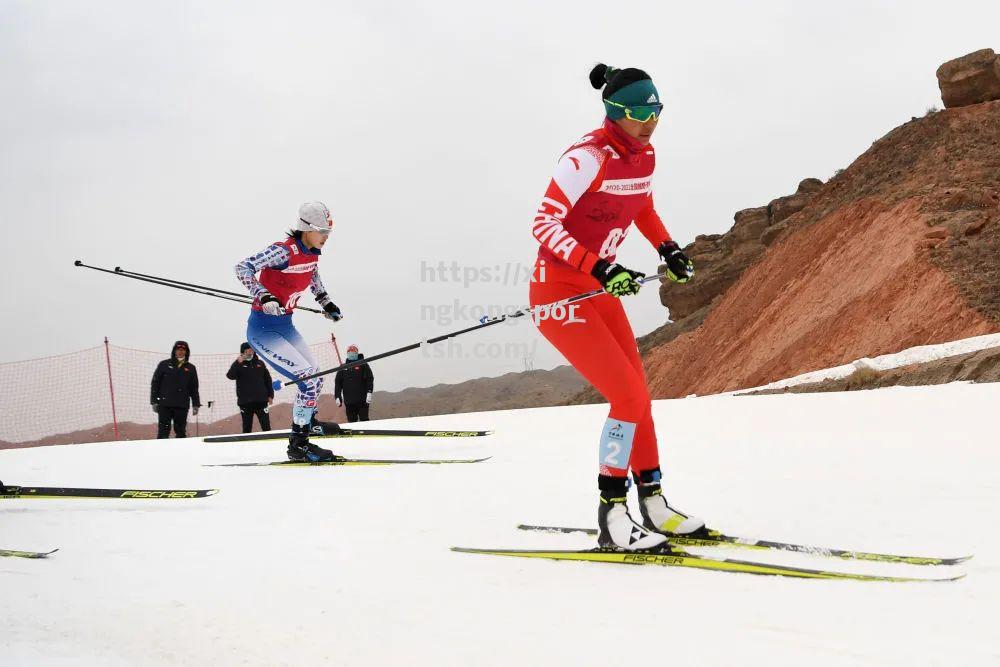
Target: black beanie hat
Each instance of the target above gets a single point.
(244, 347)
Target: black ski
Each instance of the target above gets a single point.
(714, 538)
(347, 462)
(67, 492)
(349, 433)
(12, 553)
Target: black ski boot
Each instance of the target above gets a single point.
(301, 450)
(618, 530)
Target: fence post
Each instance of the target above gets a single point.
(111, 386)
(336, 349)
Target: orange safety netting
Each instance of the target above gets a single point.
(71, 392)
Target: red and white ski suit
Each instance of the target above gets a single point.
(601, 185)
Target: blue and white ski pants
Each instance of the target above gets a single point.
(276, 341)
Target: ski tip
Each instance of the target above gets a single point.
(211, 492)
(921, 580)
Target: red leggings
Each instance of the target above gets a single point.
(603, 349)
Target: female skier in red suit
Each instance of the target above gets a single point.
(601, 185)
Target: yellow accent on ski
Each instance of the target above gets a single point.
(682, 559)
(717, 539)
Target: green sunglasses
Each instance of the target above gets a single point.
(641, 113)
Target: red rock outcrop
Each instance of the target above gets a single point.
(971, 79)
(720, 259)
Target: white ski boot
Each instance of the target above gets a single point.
(657, 514)
(660, 517)
(619, 531)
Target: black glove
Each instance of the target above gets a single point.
(331, 312)
(156, 408)
(679, 267)
(616, 279)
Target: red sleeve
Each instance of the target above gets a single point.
(649, 223)
(576, 173)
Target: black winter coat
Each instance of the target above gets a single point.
(175, 385)
(352, 384)
(253, 381)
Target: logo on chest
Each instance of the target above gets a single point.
(605, 211)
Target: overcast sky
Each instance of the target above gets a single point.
(176, 138)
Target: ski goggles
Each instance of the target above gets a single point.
(641, 113)
(318, 228)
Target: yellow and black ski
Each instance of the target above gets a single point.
(714, 538)
(348, 433)
(11, 553)
(347, 462)
(678, 558)
(18, 492)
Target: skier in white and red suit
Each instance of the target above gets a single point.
(601, 186)
(287, 269)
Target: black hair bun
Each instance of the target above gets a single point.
(600, 75)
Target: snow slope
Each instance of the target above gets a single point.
(912, 355)
(350, 566)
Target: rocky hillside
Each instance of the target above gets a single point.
(898, 250)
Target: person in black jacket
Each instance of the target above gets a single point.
(353, 387)
(253, 388)
(174, 388)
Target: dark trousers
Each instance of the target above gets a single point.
(249, 410)
(179, 416)
(356, 413)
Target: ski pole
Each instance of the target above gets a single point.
(241, 299)
(132, 274)
(187, 287)
(482, 325)
(135, 274)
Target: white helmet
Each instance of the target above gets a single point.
(314, 216)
